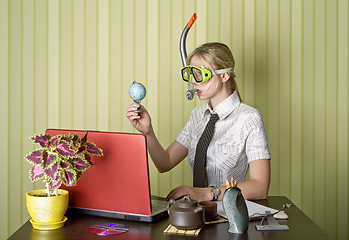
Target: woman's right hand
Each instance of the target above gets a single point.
(140, 120)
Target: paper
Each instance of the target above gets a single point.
(254, 209)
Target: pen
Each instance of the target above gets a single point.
(233, 184)
(227, 184)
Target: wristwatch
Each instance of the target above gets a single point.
(215, 192)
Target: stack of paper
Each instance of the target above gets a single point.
(254, 209)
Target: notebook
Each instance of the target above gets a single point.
(117, 186)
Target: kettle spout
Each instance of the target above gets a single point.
(198, 209)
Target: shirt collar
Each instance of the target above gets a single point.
(225, 108)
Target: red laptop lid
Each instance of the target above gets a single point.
(119, 181)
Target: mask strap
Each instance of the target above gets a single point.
(220, 71)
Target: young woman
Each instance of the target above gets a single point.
(238, 143)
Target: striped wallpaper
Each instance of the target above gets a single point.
(68, 64)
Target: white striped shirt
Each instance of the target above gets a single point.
(239, 138)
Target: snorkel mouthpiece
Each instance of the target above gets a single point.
(191, 91)
(189, 94)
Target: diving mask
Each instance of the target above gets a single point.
(200, 74)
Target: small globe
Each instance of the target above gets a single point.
(137, 91)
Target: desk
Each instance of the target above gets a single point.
(301, 227)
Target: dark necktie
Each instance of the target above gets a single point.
(200, 175)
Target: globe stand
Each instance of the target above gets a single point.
(139, 109)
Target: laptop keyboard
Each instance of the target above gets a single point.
(158, 205)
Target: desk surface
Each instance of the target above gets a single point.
(301, 227)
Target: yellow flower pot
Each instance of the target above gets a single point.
(47, 212)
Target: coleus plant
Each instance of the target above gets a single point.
(61, 159)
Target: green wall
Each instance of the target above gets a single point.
(68, 64)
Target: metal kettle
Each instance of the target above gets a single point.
(186, 213)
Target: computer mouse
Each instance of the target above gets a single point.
(281, 215)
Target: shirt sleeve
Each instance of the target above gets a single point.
(184, 136)
(256, 142)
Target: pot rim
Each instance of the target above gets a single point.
(36, 191)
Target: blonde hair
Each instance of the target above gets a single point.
(219, 56)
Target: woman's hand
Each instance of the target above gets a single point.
(199, 194)
(139, 120)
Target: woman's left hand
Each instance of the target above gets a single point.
(199, 194)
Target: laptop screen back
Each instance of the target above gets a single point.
(119, 180)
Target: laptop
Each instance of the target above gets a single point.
(117, 186)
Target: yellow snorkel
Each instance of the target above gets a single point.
(190, 93)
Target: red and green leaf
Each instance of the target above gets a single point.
(55, 184)
(69, 177)
(75, 138)
(36, 173)
(55, 140)
(64, 164)
(35, 157)
(88, 158)
(78, 175)
(84, 138)
(82, 149)
(41, 139)
(51, 172)
(92, 149)
(67, 138)
(64, 149)
(48, 159)
(80, 164)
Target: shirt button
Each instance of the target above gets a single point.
(225, 149)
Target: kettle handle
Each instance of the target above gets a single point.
(169, 203)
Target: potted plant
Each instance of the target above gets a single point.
(60, 159)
